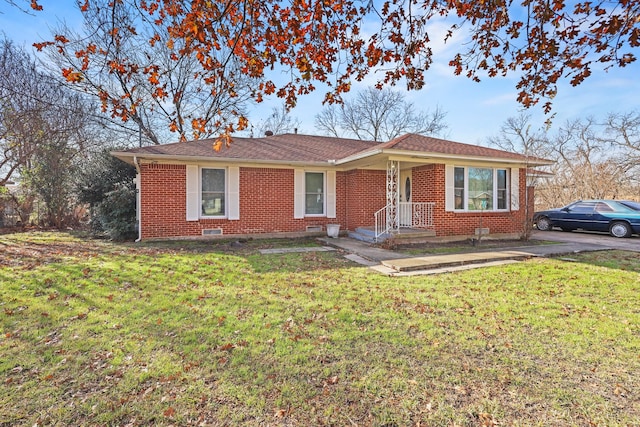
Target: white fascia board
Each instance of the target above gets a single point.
(456, 158)
(392, 154)
(128, 157)
(358, 156)
(125, 157)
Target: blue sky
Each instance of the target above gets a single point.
(475, 111)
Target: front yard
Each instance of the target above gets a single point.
(98, 333)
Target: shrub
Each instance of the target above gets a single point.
(116, 214)
(107, 185)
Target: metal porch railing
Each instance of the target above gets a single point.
(407, 215)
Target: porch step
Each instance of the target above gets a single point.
(366, 234)
(453, 260)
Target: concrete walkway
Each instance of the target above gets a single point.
(362, 252)
(297, 249)
(396, 264)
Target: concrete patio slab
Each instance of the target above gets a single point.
(361, 248)
(438, 270)
(397, 264)
(360, 260)
(452, 260)
(297, 249)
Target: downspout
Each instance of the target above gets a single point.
(138, 198)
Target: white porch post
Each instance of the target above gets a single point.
(393, 196)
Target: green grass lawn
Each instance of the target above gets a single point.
(98, 333)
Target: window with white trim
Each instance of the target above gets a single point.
(213, 192)
(501, 189)
(480, 189)
(314, 193)
(458, 180)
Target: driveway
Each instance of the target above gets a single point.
(590, 239)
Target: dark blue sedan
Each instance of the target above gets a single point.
(619, 218)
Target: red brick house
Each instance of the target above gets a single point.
(285, 184)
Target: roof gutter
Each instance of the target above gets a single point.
(138, 198)
(432, 155)
(129, 158)
(523, 161)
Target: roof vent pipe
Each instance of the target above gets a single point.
(268, 133)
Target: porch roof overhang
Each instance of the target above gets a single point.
(378, 158)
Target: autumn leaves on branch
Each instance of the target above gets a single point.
(239, 43)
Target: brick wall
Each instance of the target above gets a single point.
(266, 203)
(429, 186)
(163, 199)
(267, 197)
(365, 194)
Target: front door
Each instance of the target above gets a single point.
(405, 209)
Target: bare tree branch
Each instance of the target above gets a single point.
(379, 115)
(280, 121)
(127, 60)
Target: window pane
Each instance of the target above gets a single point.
(583, 207)
(314, 205)
(314, 193)
(458, 177)
(458, 183)
(603, 207)
(212, 204)
(314, 182)
(213, 180)
(213, 192)
(502, 199)
(459, 198)
(502, 188)
(502, 179)
(480, 189)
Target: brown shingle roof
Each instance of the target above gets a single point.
(413, 142)
(307, 148)
(287, 147)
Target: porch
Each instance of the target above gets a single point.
(404, 220)
(401, 218)
(404, 235)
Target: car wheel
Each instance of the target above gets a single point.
(620, 229)
(543, 223)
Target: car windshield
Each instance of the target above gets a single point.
(633, 205)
